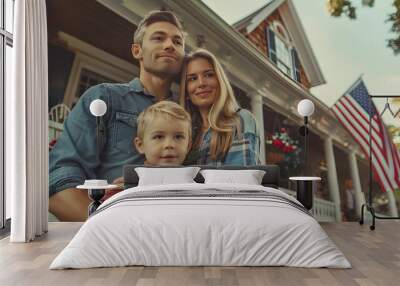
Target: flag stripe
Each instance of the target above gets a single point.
(361, 118)
(364, 133)
(394, 166)
(362, 113)
(376, 134)
(397, 163)
(375, 130)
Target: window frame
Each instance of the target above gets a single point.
(279, 33)
(285, 40)
(83, 61)
(279, 60)
(95, 60)
(98, 77)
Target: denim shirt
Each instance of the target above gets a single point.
(73, 159)
(244, 150)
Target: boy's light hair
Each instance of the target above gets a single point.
(154, 17)
(162, 108)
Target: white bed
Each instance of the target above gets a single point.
(201, 224)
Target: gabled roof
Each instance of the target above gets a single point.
(296, 31)
(248, 20)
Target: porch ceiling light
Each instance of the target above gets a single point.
(305, 108)
(98, 107)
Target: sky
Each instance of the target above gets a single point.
(344, 48)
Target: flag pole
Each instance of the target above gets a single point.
(352, 85)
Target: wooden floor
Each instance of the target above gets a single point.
(374, 255)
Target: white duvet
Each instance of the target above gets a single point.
(182, 230)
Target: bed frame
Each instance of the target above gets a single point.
(131, 179)
(270, 179)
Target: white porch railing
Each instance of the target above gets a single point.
(57, 116)
(55, 130)
(323, 210)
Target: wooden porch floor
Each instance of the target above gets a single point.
(374, 255)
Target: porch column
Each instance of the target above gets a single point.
(355, 177)
(392, 204)
(257, 110)
(332, 177)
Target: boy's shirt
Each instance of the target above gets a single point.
(73, 158)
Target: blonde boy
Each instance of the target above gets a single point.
(164, 137)
(164, 134)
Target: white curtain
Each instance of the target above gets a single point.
(26, 124)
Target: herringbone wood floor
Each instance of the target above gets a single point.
(375, 257)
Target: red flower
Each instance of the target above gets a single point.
(52, 143)
(282, 142)
(281, 145)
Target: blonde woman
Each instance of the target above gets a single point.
(223, 133)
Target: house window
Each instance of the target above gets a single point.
(281, 50)
(6, 62)
(92, 66)
(283, 56)
(88, 79)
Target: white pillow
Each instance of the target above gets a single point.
(248, 177)
(164, 176)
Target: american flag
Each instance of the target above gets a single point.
(353, 110)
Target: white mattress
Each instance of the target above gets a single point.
(184, 230)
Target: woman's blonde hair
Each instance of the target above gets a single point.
(164, 108)
(223, 118)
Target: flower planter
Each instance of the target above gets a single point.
(274, 158)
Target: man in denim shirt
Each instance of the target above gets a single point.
(159, 48)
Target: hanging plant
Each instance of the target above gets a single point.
(281, 142)
(281, 145)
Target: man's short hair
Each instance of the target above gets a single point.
(162, 108)
(154, 17)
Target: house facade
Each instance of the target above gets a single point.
(268, 59)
